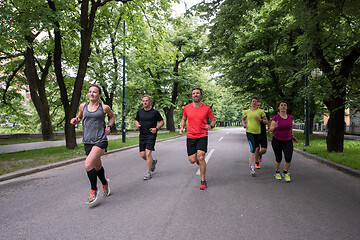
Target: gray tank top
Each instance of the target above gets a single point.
(94, 125)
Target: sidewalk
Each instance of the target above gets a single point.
(350, 137)
(11, 148)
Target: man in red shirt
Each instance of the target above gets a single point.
(197, 114)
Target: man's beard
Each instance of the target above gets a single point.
(197, 100)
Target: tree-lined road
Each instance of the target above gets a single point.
(320, 202)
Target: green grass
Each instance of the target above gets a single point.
(349, 157)
(10, 162)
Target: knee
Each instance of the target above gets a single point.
(88, 166)
(192, 159)
(201, 158)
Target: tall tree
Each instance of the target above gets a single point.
(170, 64)
(23, 22)
(264, 44)
(332, 39)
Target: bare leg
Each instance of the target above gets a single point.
(202, 163)
(149, 159)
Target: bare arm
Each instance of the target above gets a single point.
(182, 125)
(243, 122)
(154, 130)
(111, 115)
(137, 125)
(212, 124)
(78, 118)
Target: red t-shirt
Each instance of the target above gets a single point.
(197, 119)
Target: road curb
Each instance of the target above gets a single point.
(345, 169)
(25, 172)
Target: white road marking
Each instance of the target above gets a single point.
(221, 139)
(208, 156)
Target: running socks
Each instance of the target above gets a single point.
(101, 175)
(92, 175)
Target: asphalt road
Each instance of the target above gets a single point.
(320, 202)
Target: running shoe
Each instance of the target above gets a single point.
(147, 176)
(257, 165)
(287, 177)
(93, 196)
(153, 166)
(260, 158)
(277, 176)
(106, 188)
(252, 171)
(203, 185)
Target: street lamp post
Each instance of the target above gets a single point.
(306, 108)
(123, 126)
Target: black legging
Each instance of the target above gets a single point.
(282, 146)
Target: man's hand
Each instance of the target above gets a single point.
(181, 131)
(153, 130)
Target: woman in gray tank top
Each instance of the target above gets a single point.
(94, 138)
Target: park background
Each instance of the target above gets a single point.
(302, 51)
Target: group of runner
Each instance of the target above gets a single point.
(255, 121)
(195, 118)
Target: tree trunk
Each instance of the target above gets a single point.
(169, 114)
(70, 133)
(37, 91)
(336, 126)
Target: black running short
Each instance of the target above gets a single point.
(253, 140)
(88, 147)
(194, 144)
(263, 140)
(147, 141)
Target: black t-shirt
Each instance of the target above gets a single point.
(147, 119)
(263, 125)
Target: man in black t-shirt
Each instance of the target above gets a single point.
(263, 140)
(146, 120)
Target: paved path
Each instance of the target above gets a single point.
(320, 202)
(45, 144)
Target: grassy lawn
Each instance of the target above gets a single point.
(10, 162)
(350, 157)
